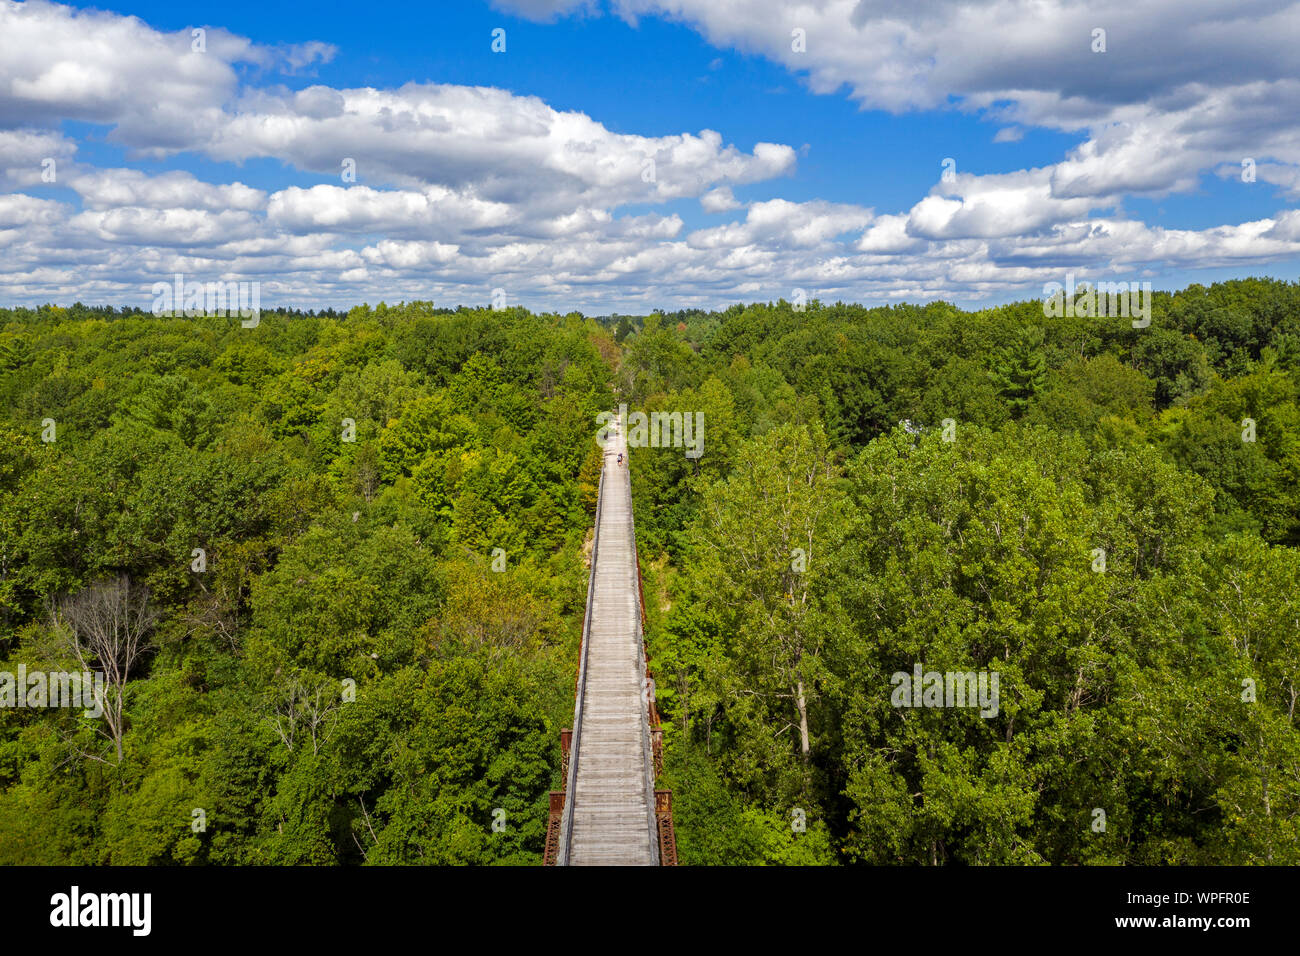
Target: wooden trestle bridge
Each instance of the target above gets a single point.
(609, 812)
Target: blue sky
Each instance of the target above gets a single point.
(1115, 164)
(653, 78)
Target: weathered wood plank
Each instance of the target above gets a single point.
(612, 797)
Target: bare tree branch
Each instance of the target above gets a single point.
(106, 628)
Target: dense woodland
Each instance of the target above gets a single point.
(376, 658)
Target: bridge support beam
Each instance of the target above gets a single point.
(667, 835)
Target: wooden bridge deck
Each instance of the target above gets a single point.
(612, 817)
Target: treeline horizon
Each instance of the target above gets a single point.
(79, 309)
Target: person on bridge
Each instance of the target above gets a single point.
(620, 459)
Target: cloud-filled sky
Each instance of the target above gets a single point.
(635, 154)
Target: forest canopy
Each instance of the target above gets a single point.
(346, 555)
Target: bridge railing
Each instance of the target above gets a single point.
(653, 759)
(665, 837)
(560, 825)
